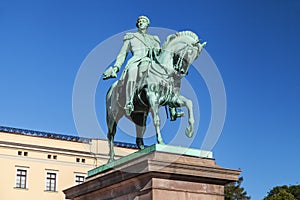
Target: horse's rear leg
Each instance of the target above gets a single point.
(140, 125)
(140, 130)
(112, 126)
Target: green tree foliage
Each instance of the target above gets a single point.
(295, 190)
(234, 191)
(281, 195)
(284, 193)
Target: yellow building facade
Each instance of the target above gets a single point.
(40, 165)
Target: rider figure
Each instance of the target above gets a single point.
(144, 49)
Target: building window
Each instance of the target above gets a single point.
(51, 181)
(21, 178)
(25, 153)
(79, 178)
(82, 160)
(49, 156)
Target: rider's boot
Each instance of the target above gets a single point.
(174, 114)
(129, 107)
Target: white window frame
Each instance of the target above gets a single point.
(26, 177)
(79, 174)
(56, 180)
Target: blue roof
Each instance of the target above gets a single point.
(59, 136)
(44, 134)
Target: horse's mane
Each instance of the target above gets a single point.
(170, 38)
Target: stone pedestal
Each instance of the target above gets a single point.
(156, 173)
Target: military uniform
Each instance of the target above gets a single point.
(143, 47)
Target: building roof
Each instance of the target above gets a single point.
(70, 138)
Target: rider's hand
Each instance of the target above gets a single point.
(111, 72)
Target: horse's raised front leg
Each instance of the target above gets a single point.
(156, 119)
(182, 101)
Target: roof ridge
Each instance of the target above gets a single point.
(44, 134)
(58, 136)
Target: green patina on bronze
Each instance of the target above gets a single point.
(156, 147)
(151, 79)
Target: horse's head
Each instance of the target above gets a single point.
(184, 47)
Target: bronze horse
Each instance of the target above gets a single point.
(158, 86)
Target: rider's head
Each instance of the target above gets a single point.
(142, 21)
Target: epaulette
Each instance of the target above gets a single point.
(128, 36)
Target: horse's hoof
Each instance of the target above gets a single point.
(160, 141)
(140, 143)
(189, 132)
(110, 160)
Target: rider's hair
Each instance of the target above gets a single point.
(142, 17)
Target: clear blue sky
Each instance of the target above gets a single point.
(255, 45)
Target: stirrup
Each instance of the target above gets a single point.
(129, 108)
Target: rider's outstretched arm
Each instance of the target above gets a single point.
(111, 72)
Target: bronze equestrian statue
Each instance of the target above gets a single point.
(150, 79)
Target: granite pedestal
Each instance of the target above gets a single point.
(157, 172)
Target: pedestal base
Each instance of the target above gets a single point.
(156, 175)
